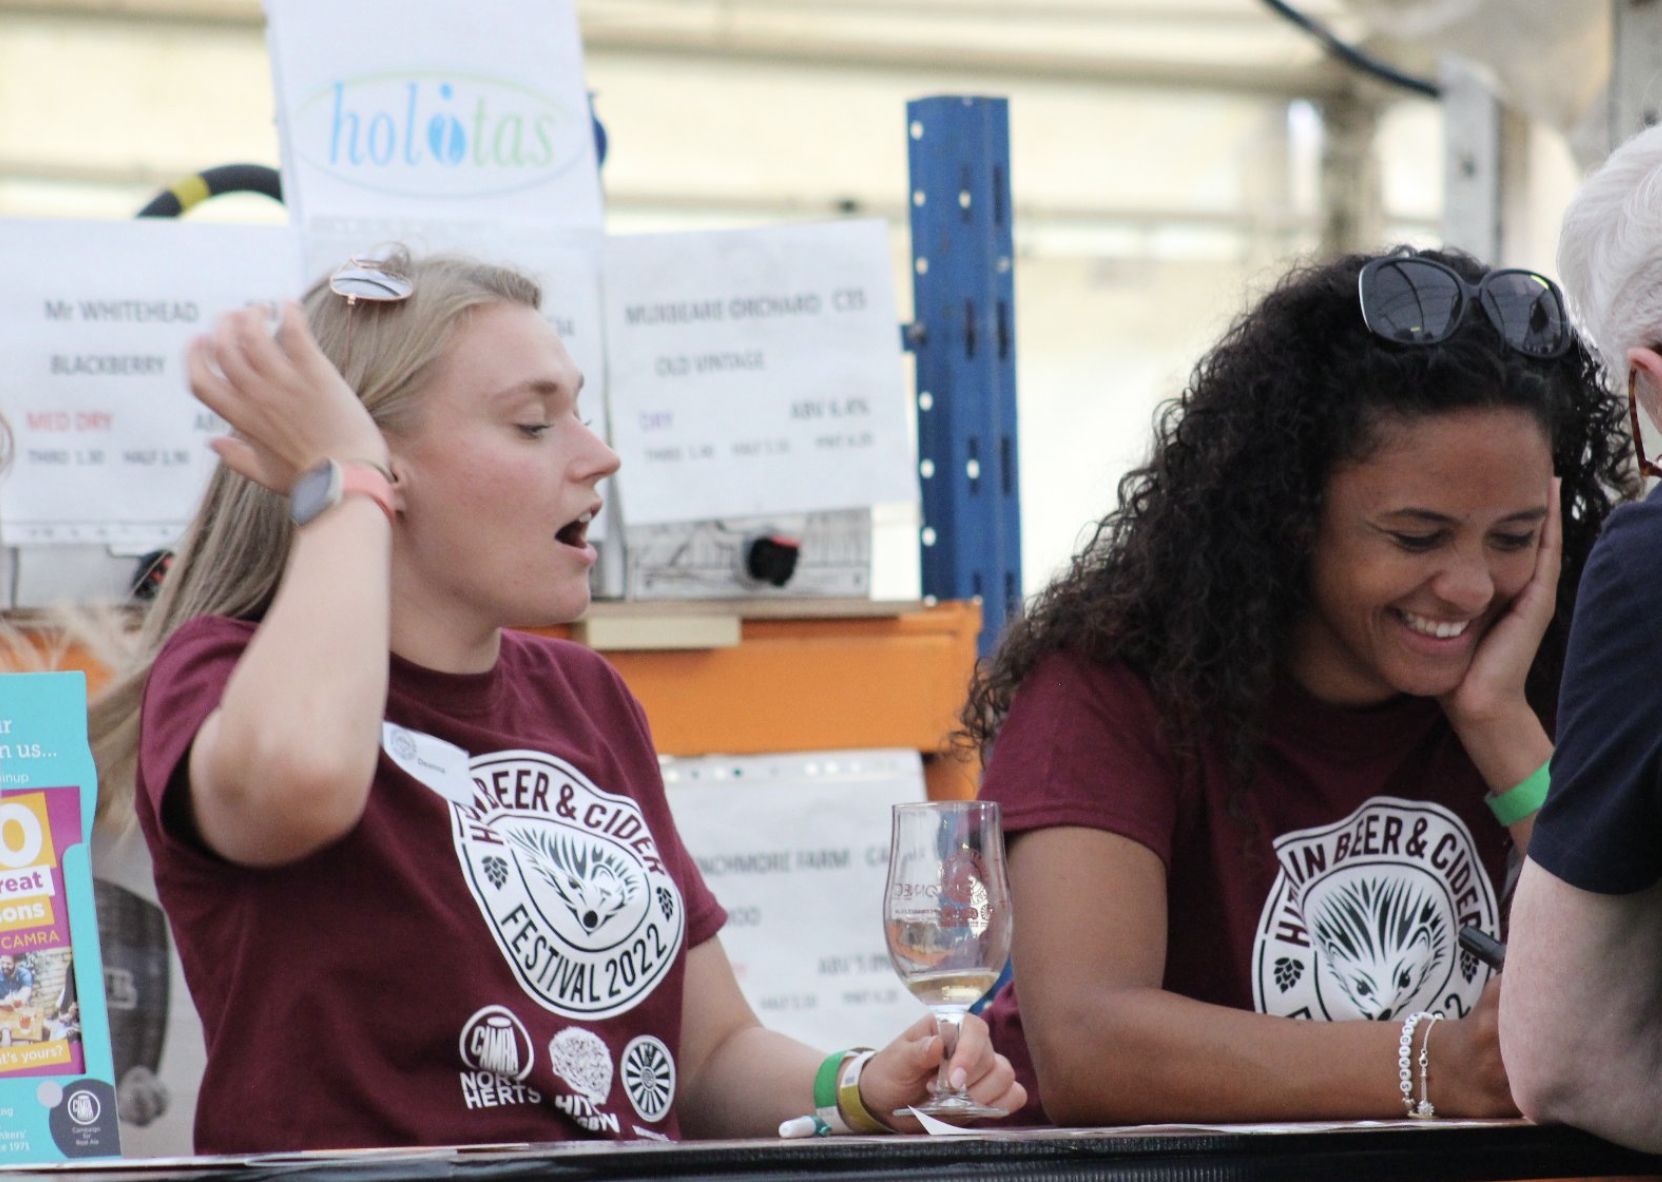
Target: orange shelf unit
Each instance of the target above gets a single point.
(813, 683)
(803, 683)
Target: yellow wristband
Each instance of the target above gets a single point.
(849, 1103)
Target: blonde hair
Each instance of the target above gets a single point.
(233, 554)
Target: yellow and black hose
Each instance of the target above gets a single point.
(211, 182)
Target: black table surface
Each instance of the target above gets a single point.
(1392, 1152)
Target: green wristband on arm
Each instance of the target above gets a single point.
(1524, 798)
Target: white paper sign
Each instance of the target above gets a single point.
(796, 847)
(94, 320)
(396, 107)
(755, 372)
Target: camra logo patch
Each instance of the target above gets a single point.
(570, 883)
(495, 1040)
(1364, 914)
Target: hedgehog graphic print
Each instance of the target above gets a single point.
(570, 883)
(1362, 919)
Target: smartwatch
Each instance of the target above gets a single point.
(322, 488)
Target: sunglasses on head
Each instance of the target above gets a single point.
(366, 279)
(1417, 301)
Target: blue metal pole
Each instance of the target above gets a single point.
(963, 334)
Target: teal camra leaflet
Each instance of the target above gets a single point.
(57, 1094)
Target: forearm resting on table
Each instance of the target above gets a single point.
(738, 1079)
(757, 1079)
(1142, 1055)
(1581, 1008)
(284, 765)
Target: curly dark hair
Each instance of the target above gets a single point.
(1197, 578)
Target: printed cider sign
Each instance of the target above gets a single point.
(40, 1028)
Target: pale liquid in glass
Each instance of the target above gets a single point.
(959, 989)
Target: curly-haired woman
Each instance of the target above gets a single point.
(1263, 749)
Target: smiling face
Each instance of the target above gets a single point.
(1420, 549)
(496, 484)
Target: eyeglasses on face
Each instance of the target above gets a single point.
(1647, 466)
(1418, 301)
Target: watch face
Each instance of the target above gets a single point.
(314, 492)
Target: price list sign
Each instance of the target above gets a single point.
(110, 446)
(756, 371)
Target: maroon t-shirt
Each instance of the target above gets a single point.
(1334, 888)
(494, 953)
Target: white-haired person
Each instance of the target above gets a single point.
(424, 882)
(1581, 1012)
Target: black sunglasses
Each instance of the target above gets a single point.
(1417, 301)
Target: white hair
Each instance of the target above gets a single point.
(1610, 252)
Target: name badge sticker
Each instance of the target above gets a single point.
(441, 766)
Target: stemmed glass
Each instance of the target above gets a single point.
(946, 914)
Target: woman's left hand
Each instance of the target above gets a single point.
(904, 1072)
(1493, 687)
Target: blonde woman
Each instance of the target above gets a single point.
(420, 869)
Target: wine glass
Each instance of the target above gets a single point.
(946, 914)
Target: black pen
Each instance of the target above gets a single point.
(1484, 946)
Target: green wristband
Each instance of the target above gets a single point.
(825, 1080)
(1518, 802)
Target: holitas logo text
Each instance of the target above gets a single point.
(439, 134)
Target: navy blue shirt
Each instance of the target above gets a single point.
(1601, 827)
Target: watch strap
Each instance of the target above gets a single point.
(339, 479)
(362, 479)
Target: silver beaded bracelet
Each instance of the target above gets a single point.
(1405, 1071)
(1424, 1110)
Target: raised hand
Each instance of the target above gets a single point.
(1494, 684)
(288, 406)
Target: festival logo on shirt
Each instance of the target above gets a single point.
(1363, 917)
(570, 883)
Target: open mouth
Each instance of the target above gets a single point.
(575, 533)
(1440, 629)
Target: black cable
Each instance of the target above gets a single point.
(1349, 53)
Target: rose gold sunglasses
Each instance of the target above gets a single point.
(366, 279)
